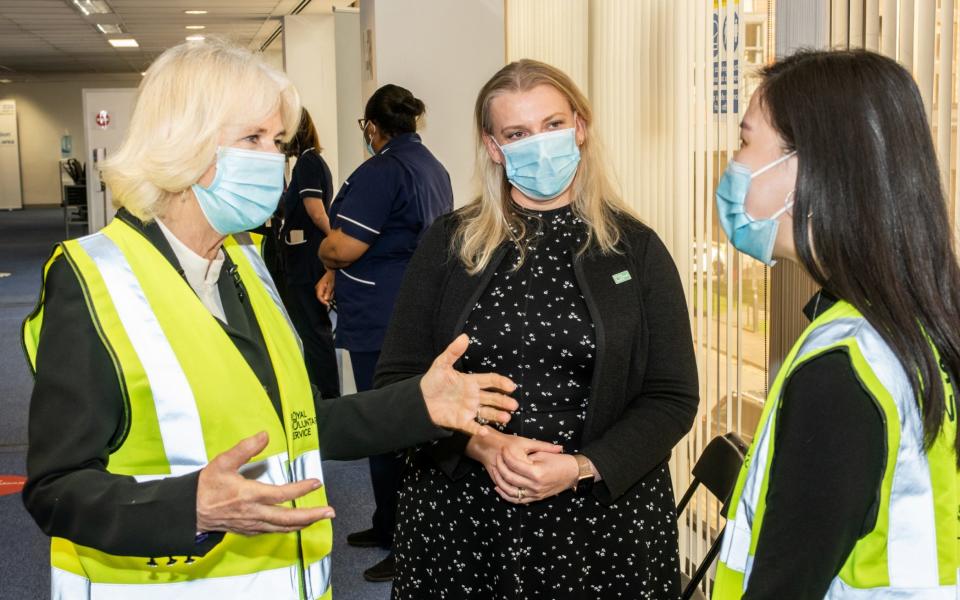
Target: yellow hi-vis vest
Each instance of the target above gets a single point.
(912, 551)
(190, 395)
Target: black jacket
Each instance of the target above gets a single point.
(77, 417)
(644, 392)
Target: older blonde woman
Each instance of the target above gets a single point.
(560, 288)
(174, 436)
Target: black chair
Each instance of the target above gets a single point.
(717, 469)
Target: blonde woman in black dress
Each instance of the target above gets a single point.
(564, 291)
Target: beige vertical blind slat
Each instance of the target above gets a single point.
(871, 25)
(855, 14)
(905, 29)
(955, 164)
(923, 51)
(839, 23)
(944, 106)
(888, 28)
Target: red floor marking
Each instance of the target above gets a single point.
(11, 484)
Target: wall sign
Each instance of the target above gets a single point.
(102, 119)
(10, 185)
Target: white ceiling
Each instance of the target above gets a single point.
(40, 39)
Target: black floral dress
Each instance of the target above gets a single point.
(458, 539)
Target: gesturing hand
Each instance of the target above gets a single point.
(455, 400)
(226, 501)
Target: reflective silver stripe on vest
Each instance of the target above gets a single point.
(271, 470)
(735, 548)
(177, 413)
(911, 545)
(317, 578)
(275, 584)
(307, 466)
(65, 585)
(912, 538)
(841, 591)
(260, 268)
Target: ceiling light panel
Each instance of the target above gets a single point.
(108, 28)
(124, 43)
(92, 7)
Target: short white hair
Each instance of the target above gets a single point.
(189, 96)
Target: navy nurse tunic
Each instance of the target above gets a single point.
(388, 203)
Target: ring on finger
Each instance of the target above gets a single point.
(520, 493)
(480, 419)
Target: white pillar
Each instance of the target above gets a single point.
(443, 52)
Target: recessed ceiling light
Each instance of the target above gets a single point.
(109, 29)
(196, 26)
(92, 7)
(143, 73)
(195, 12)
(124, 43)
(5, 81)
(195, 38)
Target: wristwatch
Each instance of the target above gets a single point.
(586, 475)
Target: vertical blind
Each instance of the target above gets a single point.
(920, 34)
(669, 82)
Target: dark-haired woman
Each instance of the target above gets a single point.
(377, 221)
(850, 489)
(305, 224)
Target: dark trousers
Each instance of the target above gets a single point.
(312, 323)
(385, 469)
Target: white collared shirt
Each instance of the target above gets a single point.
(201, 273)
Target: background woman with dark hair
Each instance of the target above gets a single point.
(305, 224)
(377, 221)
(851, 487)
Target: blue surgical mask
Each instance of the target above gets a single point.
(542, 166)
(368, 142)
(245, 190)
(753, 237)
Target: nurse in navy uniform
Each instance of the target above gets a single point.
(305, 224)
(377, 220)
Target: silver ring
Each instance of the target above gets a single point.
(480, 419)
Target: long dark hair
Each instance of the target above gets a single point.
(869, 194)
(394, 110)
(305, 138)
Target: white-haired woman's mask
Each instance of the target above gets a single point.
(245, 191)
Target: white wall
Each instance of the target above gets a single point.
(443, 52)
(45, 110)
(309, 59)
(350, 147)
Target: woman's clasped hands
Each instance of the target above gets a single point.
(523, 470)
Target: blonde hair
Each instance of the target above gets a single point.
(189, 96)
(491, 219)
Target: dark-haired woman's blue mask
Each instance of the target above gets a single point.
(753, 237)
(542, 166)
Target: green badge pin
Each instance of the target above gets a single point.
(621, 277)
